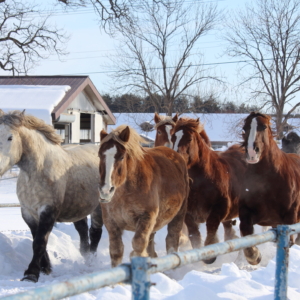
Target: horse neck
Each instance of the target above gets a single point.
(36, 150)
(272, 155)
(207, 158)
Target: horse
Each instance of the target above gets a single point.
(55, 184)
(141, 190)
(214, 191)
(291, 143)
(271, 188)
(163, 126)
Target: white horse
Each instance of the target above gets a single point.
(55, 184)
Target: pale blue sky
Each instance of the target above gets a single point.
(89, 45)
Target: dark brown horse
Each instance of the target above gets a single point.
(271, 189)
(214, 191)
(141, 190)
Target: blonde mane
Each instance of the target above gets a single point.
(133, 146)
(16, 119)
(164, 120)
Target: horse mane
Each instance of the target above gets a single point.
(16, 119)
(165, 120)
(195, 125)
(132, 146)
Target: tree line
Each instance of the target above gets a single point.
(131, 103)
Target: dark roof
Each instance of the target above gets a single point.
(77, 84)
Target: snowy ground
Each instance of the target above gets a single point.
(230, 277)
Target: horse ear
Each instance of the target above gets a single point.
(23, 112)
(175, 118)
(156, 117)
(103, 134)
(198, 120)
(124, 135)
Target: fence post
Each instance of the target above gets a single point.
(140, 283)
(282, 262)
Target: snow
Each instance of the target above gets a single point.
(230, 277)
(219, 127)
(38, 100)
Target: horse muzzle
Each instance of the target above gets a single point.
(106, 195)
(252, 156)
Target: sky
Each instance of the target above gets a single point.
(89, 46)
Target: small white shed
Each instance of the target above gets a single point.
(71, 104)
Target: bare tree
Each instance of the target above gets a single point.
(267, 35)
(109, 12)
(26, 37)
(156, 51)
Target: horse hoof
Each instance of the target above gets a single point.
(209, 261)
(46, 271)
(30, 278)
(256, 261)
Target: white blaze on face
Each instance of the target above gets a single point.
(168, 131)
(251, 140)
(109, 167)
(179, 135)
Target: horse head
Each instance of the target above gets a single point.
(256, 134)
(117, 150)
(10, 140)
(185, 139)
(164, 126)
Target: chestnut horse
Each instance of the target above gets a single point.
(163, 126)
(141, 190)
(271, 189)
(214, 191)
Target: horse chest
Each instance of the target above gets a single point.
(33, 194)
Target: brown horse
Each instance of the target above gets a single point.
(214, 191)
(141, 190)
(164, 126)
(271, 189)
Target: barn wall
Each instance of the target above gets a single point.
(97, 127)
(75, 128)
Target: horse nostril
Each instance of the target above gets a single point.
(256, 149)
(112, 189)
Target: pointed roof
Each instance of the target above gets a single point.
(77, 84)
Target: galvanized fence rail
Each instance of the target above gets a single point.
(137, 273)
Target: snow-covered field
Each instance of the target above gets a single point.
(230, 277)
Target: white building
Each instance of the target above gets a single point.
(71, 104)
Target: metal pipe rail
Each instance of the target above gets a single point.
(138, 272)
(3, 205)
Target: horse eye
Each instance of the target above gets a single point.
(159, 132)
(121, 158)
(10, 138)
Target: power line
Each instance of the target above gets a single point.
(160, 68)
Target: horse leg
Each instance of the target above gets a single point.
(116, 246)
(150, 248)
(252, 254)
(33, 225)
(212, 225)
(193, 229)
(83, 231)
(46, 221)
(96, 229)
(142, 234)
(229, 232)
(175, 229)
